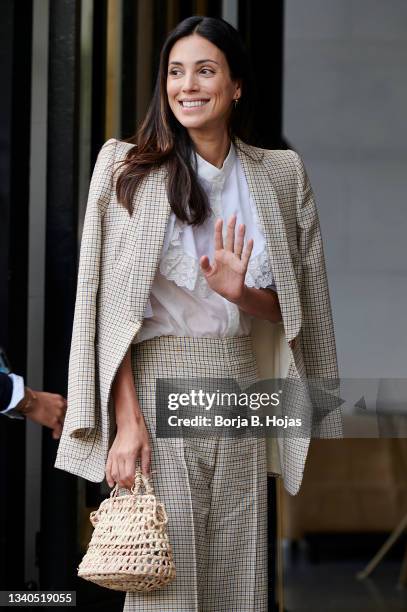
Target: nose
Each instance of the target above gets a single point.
(189, 82)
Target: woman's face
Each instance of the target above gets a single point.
(199, 87)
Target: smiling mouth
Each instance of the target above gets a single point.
(192, 103)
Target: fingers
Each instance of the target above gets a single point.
(57, 431)
(233, 243)
(110, 471)
(218, 235)
(146, 460)
(205, 265)
(63, 405)
(240, 240)
(247, 252)
(230, 234)
(121, 468)
(60, 410)
(49, 410)
(127, 468)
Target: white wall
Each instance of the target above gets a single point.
(345, 112)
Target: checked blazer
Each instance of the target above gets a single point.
(119, 257)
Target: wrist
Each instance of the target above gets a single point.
(128, 414)
(26, 405)
(241, 300)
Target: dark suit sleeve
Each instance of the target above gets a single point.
(6, 390)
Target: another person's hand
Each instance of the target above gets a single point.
(46, 409)
(132, 441)
(227, 273)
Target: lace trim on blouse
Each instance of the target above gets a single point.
(185, 271)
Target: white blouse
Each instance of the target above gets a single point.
(181, 303)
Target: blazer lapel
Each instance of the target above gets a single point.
(147, 227)
(271, 219)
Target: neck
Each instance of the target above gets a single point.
(212, 147)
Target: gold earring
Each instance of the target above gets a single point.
(236, 100)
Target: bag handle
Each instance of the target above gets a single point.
(139, 479)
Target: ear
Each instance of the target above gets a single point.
(238, 88)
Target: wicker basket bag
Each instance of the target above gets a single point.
(129, 549)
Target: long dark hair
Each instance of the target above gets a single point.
(162, 139)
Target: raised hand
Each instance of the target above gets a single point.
(227, 272)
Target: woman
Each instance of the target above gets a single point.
(187, 238)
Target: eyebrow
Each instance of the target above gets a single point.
(203, 61)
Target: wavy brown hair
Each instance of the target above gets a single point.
(161, 139)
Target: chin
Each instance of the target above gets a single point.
(191, 123)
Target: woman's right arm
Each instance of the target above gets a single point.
(132, 438)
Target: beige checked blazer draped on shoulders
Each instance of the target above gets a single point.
(119, 257)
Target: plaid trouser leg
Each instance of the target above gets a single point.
(214, 488)
(237, 529)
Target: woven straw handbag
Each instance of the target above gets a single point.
(129, 549)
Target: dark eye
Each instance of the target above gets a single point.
(174, 71)
(207, 71)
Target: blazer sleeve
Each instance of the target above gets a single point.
(6, 390)
(317, 332)
(82, 383)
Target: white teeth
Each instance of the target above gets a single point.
(193, 103)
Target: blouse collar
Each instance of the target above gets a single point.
(211, 173)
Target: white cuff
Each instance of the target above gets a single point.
(17, 396)
(148, 311)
